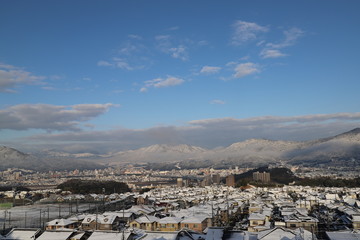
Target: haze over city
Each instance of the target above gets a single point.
(100, 76)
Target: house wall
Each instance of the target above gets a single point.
(195, 226)
(310, 226)
(168, 227)
(356, 225)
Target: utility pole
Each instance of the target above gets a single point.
(123, 231)
(5, 212)
(103, 190)
(14, 196)
(212, 214)
(9, 219)
(77, 206)
(96, 220)
(43, 223)
(59, 210)
(48, 215)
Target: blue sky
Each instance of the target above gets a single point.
(115, 75)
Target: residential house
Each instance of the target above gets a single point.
(280, 233)
(61, 224)
(196, 223)
(100, 222)
(168, 224)
(258, 222)
(298, 220)
(146, 222)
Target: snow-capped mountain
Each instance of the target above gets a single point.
(158, 153)
(332, 150)
(254, 151)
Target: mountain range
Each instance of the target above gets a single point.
(12, 158)
(340, 150)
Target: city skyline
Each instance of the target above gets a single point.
(77, 75)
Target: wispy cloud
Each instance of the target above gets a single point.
(131, 55)
(174, 28)
(12, 77)
(272, 53)
(50, 117)
(272, 50)
(291, 36)
(246, 31)
(165, 43)
(217, 102)
(134, 36)
(103, 63)
(162, 82)
(210, 69)
(119, 63)
(244, 69)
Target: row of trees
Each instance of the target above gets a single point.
(78, 186)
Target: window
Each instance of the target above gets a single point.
(186, 225)
(292, 225)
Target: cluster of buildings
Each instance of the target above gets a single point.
(289, 212)
(135, 177)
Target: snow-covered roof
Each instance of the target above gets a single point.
(194, 219)
(257, 216)
(60, 222)
(102, 219)
(280, 233)
(214, 233)
(343, 235)
(167, 220)
(23, 234)
(147, 219)
(56, 235)
(159, 236)
(108, 235)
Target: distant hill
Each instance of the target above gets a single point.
(12, 158)
(277, 175)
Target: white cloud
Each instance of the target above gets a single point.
(105, 63)
(176, 50)
(131, 55)
(272, 53)
(50, 117)
(246, 31)
(217, 101)
(179, 52)
(160, 82)
(210, 70)
(121, 63)
(272, 50)
(291, 37)
(244, 69)
(173, 28)
(143, 89)
(11, 77)
(48, 88)
(134, 36)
